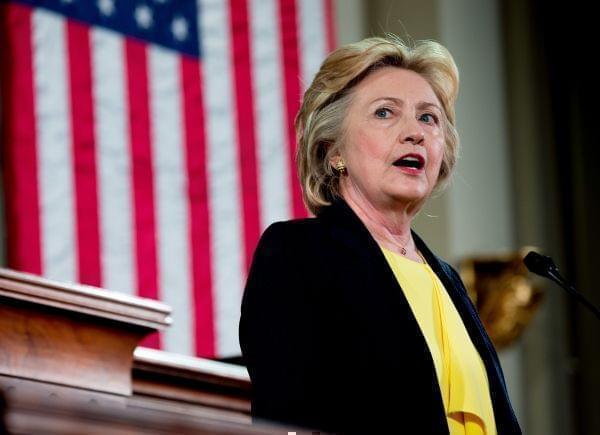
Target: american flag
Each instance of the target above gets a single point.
(148, 143)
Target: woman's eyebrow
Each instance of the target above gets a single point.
(400, 102)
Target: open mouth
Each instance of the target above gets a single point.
(410, 161)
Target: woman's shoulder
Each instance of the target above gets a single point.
(293, 241)
(293, 229)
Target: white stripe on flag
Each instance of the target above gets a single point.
(171, 197)
(54, 146)
(112, 151)
(269, 108)
(227, 245)
(312, 36)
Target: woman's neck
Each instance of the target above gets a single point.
(389, 226)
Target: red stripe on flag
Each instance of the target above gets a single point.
(142, 175)
(241, 60)
(199, 227)
(330, 28)
(84, 154)
(20, 162)
(291, 73)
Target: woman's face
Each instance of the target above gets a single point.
(394, 114)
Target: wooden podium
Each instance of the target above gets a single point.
(69, 364)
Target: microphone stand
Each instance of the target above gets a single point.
(555, 276)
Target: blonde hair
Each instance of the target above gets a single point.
(320, 120)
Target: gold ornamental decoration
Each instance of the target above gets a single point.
(505, 297)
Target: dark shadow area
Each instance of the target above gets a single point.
(232, 360)
(3, 406)
(566, 38)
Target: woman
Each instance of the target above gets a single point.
(349, 323)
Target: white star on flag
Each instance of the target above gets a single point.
(179, 27)
(143, 16)
(106, 7)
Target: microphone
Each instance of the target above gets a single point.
(544, 266)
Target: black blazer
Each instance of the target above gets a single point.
(330, 341)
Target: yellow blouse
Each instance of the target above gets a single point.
(460, 370)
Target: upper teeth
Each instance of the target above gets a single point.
(410, 158)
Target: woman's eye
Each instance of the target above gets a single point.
(383, 113)
(432, 116)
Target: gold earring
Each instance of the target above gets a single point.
(340, 166)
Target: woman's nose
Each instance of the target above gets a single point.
(413, 133)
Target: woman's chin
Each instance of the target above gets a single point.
(409, 196)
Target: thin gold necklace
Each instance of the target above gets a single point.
(402, 248)
(403, 251)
